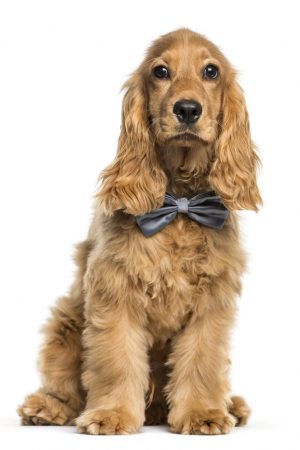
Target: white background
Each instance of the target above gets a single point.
(62, 64)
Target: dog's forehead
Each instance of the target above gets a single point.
(183, 54)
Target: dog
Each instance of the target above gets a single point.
(143, 335)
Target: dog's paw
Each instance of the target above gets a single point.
(101, 421)
(43, 409)
(206, 422)
(240, 410)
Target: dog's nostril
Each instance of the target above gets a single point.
(187, 111)
(181, 112)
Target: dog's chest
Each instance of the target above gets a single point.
(175, 269)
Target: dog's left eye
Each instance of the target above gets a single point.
(211, 72)
(161, 72)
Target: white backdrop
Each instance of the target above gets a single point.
(62, 64)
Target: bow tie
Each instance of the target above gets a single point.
(205, 208)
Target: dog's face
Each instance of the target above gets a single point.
(184, 120)
(185, 85)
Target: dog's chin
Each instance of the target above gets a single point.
(185, 137)
(185, 140)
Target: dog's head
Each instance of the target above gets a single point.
(182, 100)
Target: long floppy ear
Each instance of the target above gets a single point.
(233, 174)
(134, 182)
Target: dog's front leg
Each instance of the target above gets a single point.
(116, 363)
(198, 390)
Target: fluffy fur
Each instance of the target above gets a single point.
(144, 331)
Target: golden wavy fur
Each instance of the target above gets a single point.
(144, 331)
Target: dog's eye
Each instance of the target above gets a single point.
(211, 72)
(161, 72)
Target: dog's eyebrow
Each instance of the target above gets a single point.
(205, 53)
(211, 60)
(157, 61)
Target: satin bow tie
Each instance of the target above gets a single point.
(205, 208)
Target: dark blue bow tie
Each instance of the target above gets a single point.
(206, 208)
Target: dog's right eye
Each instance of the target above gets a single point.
(161, 72)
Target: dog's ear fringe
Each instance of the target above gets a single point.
(234, 172)
(134, 182)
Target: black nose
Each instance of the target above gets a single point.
(187, 111)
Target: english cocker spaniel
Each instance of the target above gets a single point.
(143, 335)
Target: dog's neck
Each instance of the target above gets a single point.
(187, 168)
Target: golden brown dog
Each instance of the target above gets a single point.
(144, 331)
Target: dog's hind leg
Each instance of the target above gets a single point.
(61, 398)
(240, 410)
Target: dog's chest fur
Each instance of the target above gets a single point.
(176, 269)
(178, 272)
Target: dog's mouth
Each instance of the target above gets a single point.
(185, 136)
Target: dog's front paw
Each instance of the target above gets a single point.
(205, 422)
(101, 421)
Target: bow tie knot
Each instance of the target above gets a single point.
(205, 208)
(183, 205)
